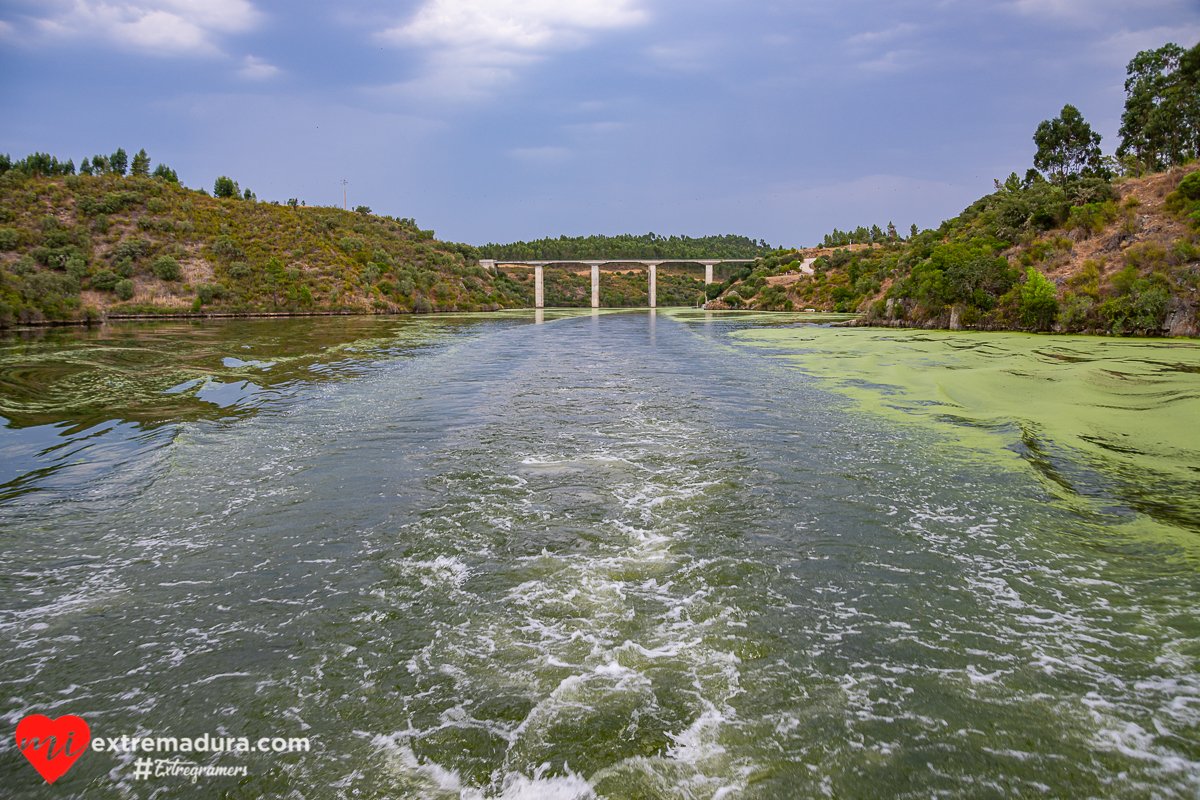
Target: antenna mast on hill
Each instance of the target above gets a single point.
(344, 206)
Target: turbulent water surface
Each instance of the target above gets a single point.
(628, 555)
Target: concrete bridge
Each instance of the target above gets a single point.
(538, 268)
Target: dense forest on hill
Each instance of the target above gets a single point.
(117, 241)
(1082, 242)
(646, 246)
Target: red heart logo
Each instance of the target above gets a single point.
(50, 744)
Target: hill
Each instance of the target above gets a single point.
(646, 246)
(76, 247)
(1100, 257)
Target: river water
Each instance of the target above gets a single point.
(625, 555)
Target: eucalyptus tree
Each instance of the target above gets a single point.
(1067, 146)
(1161, 123)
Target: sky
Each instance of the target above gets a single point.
(504, 120)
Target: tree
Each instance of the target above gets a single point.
(226, 187)
(1039, 300)
(1067, 146)
(140, 168)
(1160, 126)
(165, 173)
(118, 161)
(275, 273)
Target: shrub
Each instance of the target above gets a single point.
(225, 246)
(131, 248)
(1189, 187)
(76, 267)
(1092, 217)
(1087, 281)
(239, 269)
(1185, 251)
(1074, 313)
(124, 289)
(1039, 303)
(125, 268)
(45, 284)
(9, 238)
(422, 306)
(1146, 254)
(102, 223)
(105, 280)
(156, 206)
(166, 268)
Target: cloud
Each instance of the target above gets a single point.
(161, 27)
(475, 45)
(257, 69)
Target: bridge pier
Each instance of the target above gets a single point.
(595, 285)
(708, 276)
(653, 282)
(539, 288)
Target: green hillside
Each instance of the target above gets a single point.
(1083, 242)
(78, 246)
(645, 246)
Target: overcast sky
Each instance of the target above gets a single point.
(498, 120)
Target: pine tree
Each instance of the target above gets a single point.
(140, 168)
(118, 161)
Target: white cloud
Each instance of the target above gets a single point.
(163, 27)
(257, 69)
(474, 45)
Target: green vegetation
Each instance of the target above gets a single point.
(647, 246)
(1079, 244)
(1161, 124)
(74, 246)
(1068, 147)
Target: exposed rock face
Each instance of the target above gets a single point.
(1181, 319)
(955, 318)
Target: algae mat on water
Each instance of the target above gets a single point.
(1100, 419)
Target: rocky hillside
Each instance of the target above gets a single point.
(76, 247)
(1093, 256)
